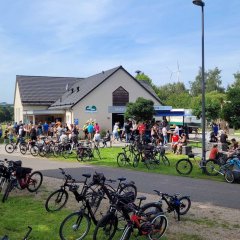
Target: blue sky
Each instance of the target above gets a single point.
(80, 38)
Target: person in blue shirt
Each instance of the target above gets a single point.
(45, 128)
(90, 129)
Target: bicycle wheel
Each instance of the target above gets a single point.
(185, 204)
(128, 187)
(121, 160)
(229, 177)
(136, 160)
(9, 148)
(150, 163)
(56, 200)
(152, 209)
(106, 227)
(34, 150)
(95, 196)
(3, 180)
(23, 148)
(34, 181)
(184, 166)
(212, 168)
(75, 226)
(159, 226)
(8, 189)
(165, 160)
(127, 233)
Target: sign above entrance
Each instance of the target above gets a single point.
(162, 108)
(91, 109)
(116, 109)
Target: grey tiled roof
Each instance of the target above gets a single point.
(86, 85)
(40, 90)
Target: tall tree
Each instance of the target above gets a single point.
(237, 80)
(213, 82)
(174, 94)
(231, 107)
(213, 106)
(143, 77)
(141, 110)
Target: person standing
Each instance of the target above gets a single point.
(165, 137)
(90, 130)
(45, 128)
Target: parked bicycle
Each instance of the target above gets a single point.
(151, 224)
(108, 225)
(184, 166)
(230, 170)
(6, 169)
(127, 156)
(76, 225)
(175, 203)
(22, 178)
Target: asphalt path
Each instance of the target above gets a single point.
(205, 191)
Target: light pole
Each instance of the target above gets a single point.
(202, 4)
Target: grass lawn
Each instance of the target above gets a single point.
(19, 212)
(109, 159)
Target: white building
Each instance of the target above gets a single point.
(75, 100)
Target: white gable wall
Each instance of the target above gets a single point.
(101, 97)
(18, 108)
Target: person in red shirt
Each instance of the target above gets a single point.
(175, 139)
(214, 152)
(141, 129)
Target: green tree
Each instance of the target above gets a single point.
(6, 113)
(213, 105)
(141, 110)
(231, 107)
(174, 94)
(143, 77)
(237, 80)
(213, 82)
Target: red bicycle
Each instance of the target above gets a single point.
(23, 178)
(152, 224)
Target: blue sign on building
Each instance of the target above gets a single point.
(76, 121)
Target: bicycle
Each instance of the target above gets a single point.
(81, 219)
(127, 156)
(91, 201)
(6, 169)
(176, 204)
(160, 151)
(22, 178)
(106, 228)
(150, 224)
(184, 166)
(58, 199)
(24, 238)
(227, 169)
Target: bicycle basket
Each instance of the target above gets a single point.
(98, 178)
(127, 197)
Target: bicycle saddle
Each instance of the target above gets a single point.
(86, 175)
(141, 198)
(122, 179)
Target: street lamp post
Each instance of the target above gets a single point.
(202, 4)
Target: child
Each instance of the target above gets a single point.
(214, 152)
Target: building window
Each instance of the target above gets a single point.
(120, 97)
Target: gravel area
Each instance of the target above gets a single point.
(202, 222)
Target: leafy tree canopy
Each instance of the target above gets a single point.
(213, 105)
(141, 110)
(231, 107)
(212, 80)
